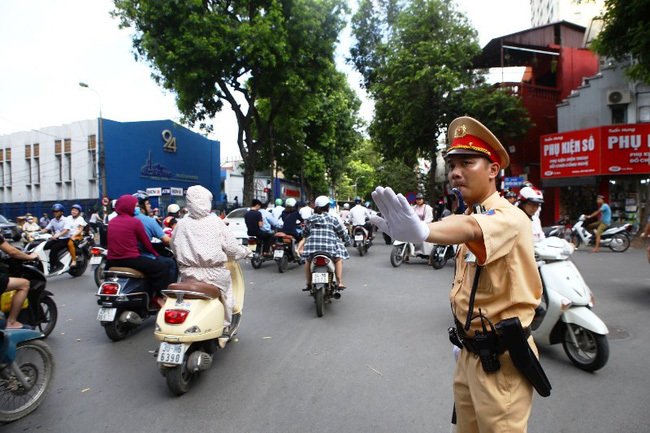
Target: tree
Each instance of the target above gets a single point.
(626, 34)
(211, 53)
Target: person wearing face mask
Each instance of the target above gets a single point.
(496, 288)
(530, 201)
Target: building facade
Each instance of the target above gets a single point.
(91, 161)
(544, 12)
(602, 147)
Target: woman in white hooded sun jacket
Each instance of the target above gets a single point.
(203, 244)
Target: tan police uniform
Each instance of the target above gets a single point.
(509, 285)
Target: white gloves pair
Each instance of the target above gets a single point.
(398, 219)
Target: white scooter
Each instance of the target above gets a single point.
(190, 327)
(616, 238)
(565, 314)
(403, 251)
(38, 246)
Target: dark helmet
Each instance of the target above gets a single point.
(357, 199)
(78, 207)
(142, 197)
(419, 195)
(58, 207)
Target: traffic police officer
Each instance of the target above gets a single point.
(496, 276)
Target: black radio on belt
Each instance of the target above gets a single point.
(487, 346)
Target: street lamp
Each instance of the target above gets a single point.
(101, 160)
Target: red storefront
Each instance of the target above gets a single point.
(611, 160)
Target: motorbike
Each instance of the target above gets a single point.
(403, 251)
(26, 371)
(126, 298)
(190, 328)
(565, 314)
(362, 239)
(39, 309)
(83, 255)
(559, 230)
(617, 238)
(98, 263)
(258, 256)
(284, 251)
(324, 287)
(441, 254)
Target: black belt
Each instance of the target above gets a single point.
(470, 345)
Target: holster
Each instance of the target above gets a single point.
(515, 341)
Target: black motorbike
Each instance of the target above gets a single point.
(324, 287)
(259, 256)
(441, 254)
(39, 309)
(362, 239)
(126, 298)
(284, 251)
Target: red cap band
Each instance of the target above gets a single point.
(473, 143)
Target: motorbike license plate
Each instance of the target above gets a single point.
(106, 314)
(277, 254)
(358, 238)
(169, 353)
(320, 277)
(95, 260)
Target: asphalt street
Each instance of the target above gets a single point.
(378, 361)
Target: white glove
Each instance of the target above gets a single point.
(398, 217)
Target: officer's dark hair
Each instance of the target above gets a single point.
(256, 202)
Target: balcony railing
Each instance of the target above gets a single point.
(531, 91)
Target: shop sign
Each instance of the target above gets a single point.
(569, 154)
(154, 192)
(177, 191)
(625, 149)
(166, 191)
(286, 191)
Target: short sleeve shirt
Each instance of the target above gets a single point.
(58, 225)
(151, 227)
(606, 214)
(509, 283)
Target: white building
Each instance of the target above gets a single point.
(544, 12)
(53, 163)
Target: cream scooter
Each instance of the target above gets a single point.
(190, 327)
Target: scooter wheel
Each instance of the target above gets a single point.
(283, 264)
(115, 330)
(179, 378)
(439, 261)
(319, 295)
(592, 351)
(48, 315)
(256, 262)
(619, 243)
(396, 257)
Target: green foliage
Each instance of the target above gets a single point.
(626, 34)
(256, 56)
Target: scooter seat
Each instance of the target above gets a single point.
(132, 273)
(193, 286)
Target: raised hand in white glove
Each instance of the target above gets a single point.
(398, 219)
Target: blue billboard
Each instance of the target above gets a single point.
(160, 157)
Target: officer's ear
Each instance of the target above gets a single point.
(493, 169)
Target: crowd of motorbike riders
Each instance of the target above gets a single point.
(315, 226)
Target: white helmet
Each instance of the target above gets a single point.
(531, 194)
(346, 206)
(291, 202)
(321, 201)
(173, 208)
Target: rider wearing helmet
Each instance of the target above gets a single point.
(77, 225)
(277, 210)
(511, 196)
(154, 231)
(359, 216)
(324, 233)
(291, 219)
(345, 213)
(530, 201)
(173, 210)
(59, 226)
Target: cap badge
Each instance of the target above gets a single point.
(460, 131)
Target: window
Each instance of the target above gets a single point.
(68, 159)
(59, 161)
(619, 113)
(7, 168)
(36, 162)
(92, 156)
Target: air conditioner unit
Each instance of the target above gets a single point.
(618, 96)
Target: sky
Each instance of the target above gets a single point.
(50, 46)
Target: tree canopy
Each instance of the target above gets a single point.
(626, 34)
(262, 58)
